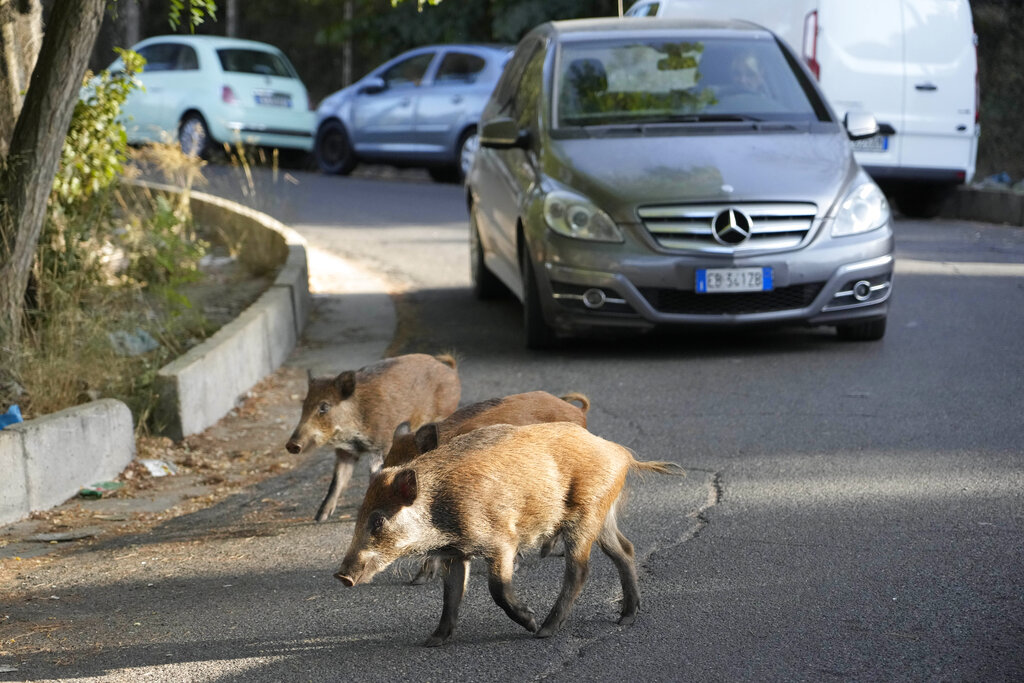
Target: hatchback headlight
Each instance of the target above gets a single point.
(864, 209)
(576, 216)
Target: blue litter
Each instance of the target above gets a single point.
(12, 416)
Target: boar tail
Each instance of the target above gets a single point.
(448, 359)
(579, 398)
(659, 466)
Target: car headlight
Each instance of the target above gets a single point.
(575, 216)
(864, 209)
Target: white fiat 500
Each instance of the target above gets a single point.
(208, 90)
(640, 173)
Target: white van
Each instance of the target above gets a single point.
(911, 63)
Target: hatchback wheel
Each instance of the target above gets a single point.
(194, 136)
(485, 284)
(872, 330)
(539, 334)
(334, 153)
(469, 143)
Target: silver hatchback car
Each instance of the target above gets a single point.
(635, 173)
(419, 109)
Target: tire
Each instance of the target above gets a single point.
(465, 150)
(333, 151)
(194, 136)
(922, 201)
(871, 330)
(485, 284)
(468, 145)
(538, 333)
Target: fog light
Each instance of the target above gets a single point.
(594, 298)
(862, 290)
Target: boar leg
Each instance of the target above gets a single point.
(430, 568)
(344, 463)
(577, 566)
(455, 579)
(499, 581)
(620, 550)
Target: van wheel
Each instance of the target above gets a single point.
(194, 136)
(539, 334)
(485, 284)
(872, 330)
(923, 201)
(334, 153)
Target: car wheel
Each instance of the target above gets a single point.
(871, 330)
(922, 201)
(539, 334)
(194, 136)
(485, 284)
(333, 150)
(468, 145)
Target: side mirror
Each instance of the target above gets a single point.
(503, 133)
(372, 85)
(860, 124)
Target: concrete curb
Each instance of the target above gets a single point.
(203, 385)
(987, 205)
(47, 460)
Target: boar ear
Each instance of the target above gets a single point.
(426, 438)
(405, 487)
(402, 429)
(345, 384)
(309, 376)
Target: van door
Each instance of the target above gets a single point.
(860, 51)
(941, 62)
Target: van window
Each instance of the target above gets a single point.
(248, 61)
(654, 80)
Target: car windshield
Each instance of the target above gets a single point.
(655, 80)
(255, 62)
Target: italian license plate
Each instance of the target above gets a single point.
(273, 99)
(712, 280)
(875, 143)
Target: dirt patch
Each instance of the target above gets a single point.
(243, 448)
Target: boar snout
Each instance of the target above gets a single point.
(293, 446)
(345, 579)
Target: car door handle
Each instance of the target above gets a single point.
(926, 87)
(405, 102)
(456, 99)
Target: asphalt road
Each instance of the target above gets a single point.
(852, 511)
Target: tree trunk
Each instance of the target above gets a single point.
(21, 33)
(232, 16)
(26, 177)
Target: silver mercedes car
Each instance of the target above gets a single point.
(637, 173)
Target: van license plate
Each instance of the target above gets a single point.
(712, 280)
(875, 143)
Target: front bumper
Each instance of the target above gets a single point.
(816, 285)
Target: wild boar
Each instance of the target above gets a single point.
(518, 409)
(489, 493)
(357, 411)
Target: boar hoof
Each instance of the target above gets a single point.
(546, 632)
(435, 641)
(627, 619)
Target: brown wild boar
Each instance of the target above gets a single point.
(357, 411)
(489, 493)
(518, 409)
